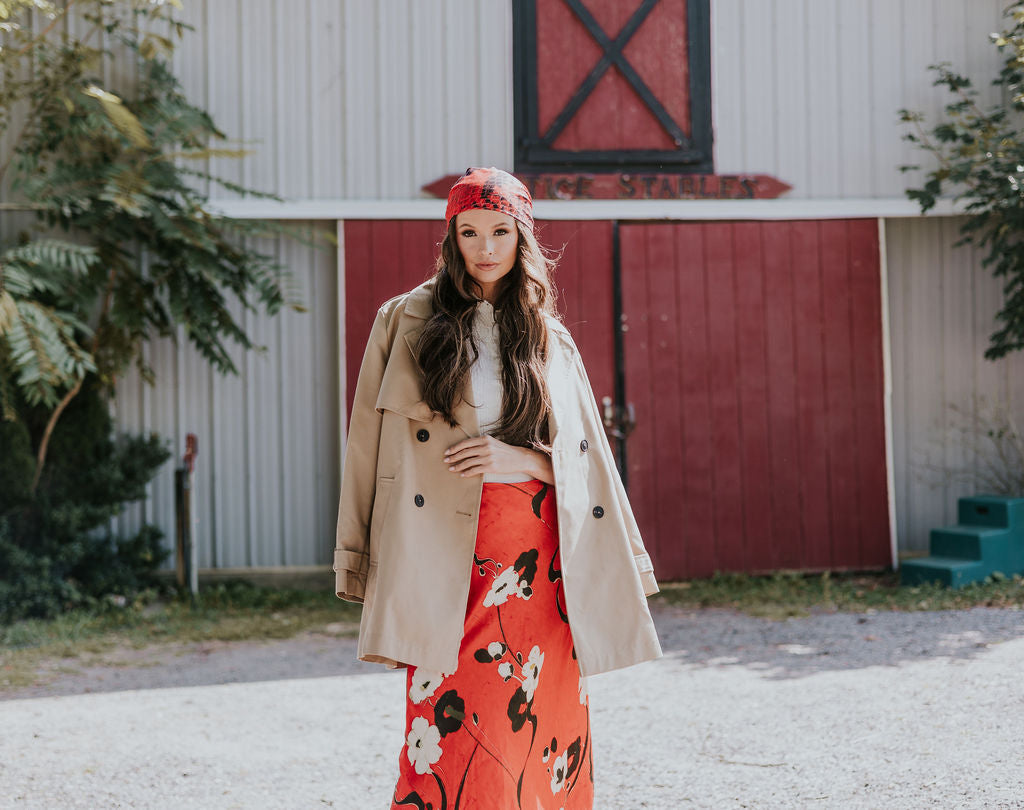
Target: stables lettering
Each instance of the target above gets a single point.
(627, 186)
(653, 186)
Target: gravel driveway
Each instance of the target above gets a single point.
(900, 710)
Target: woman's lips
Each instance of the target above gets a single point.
(487, 266)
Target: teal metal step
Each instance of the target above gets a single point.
(949, 571)
(990, 510)
(988, 537)
(972, 543)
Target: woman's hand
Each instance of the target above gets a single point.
(485, 454)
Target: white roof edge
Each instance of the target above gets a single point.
(778, 209)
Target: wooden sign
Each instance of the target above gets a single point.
(639, 186)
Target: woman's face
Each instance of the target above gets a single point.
(488, 242)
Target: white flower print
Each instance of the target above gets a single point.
(495, 649)
(531, 671)
(558, 772)
(423, 748)
(583, 690)
(424, 683)
(504, 585)
(505, 669)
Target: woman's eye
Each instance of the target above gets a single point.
(467, 233)
(501, 231)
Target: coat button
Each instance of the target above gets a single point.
(598, 512)
(584, 446)
(422, 434)
(418, 499)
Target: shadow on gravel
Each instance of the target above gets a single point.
(710, 637)
(311, 655)
(834, 641)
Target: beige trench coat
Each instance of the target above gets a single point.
(407, 526)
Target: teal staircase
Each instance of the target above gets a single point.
(988, 537)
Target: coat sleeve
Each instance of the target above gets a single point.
(642, 560)
(359, 471)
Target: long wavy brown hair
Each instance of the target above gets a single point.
(446, 350)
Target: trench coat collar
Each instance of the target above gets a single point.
(401, 392)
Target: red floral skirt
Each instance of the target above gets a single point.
(510, 728)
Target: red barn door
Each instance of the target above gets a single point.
(753, 360)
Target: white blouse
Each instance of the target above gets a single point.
(485, 376)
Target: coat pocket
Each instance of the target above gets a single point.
(380, 513)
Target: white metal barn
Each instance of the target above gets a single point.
(352, 107)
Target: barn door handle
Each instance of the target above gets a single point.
(618, 421)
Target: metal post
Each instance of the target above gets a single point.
(187, 551)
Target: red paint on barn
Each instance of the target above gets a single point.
(753, 357)
(383, 258)
(613, 116)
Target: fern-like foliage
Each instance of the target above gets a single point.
(40, 333)
(110, 165)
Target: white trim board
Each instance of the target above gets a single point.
(780, 209)
(890, 462)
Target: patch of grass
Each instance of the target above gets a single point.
(227, 611)
(785, 594)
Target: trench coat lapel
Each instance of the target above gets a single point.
(400, 389)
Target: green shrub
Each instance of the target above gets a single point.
(56, 549)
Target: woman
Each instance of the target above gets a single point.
(483, 524)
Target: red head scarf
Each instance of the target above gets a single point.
(493, 189)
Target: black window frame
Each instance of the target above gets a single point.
(533, 154)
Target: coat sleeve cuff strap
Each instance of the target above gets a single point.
(350, 574)
(645, 568)
(345, 560)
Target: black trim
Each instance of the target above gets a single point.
(533, 150)
(619, 343)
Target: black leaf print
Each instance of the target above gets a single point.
(554, 745)
(415, 800)
(476, 719)
(481, 564)
(519, 658)
(538, 499)
(449, 713)
(483, 656)
(574, 757)
(526, 565)
(555, 575)
(519, 709)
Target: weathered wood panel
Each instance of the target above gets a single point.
(756, 344)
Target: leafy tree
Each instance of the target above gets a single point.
(980, 159)
(106, 166)
(56, 548)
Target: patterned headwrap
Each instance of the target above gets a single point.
(493, 189)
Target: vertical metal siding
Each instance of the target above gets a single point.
(351, 99)
(941, 305)
(809, 90)
(267, 471)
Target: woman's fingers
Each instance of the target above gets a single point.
(472, 456)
